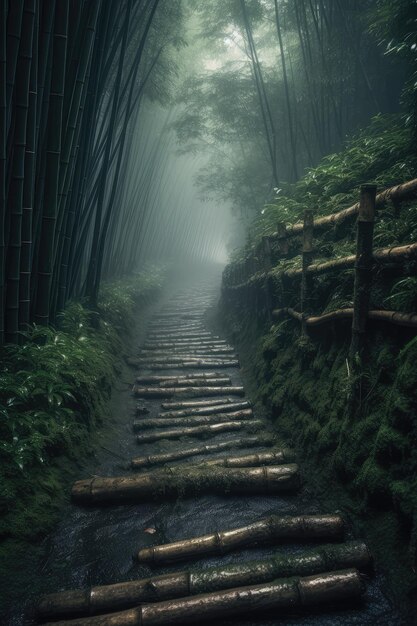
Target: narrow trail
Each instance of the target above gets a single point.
(210, 501)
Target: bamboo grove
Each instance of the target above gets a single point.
(73, 78)
(293, 80)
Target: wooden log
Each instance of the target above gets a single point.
(180, 358)
(363, 272)
(398, 193)
(189, 481)
(401, 319)
(189, 404)
(192, 420)
(274, 457)
(205, 430)
(115, 597)
(206, 410)
(393, 254)
(169, 392)
(211, 448)
(191, 344)
(185, 352)
(267, 531)
(279, 595)
(202, 364)
(196, 382)
(181, 335)
(143, 380)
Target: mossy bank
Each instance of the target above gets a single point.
(362, 459)
(55, 389)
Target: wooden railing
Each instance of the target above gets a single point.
(258, 267)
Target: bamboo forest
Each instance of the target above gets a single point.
(208, 312)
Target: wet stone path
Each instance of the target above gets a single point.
(209, 518)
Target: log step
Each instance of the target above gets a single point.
(183, 453)
(204, 430)
(95, 600)
(268, 531)
(206, 410)
(192, 420)
(325, 588)
(189, 404)
(189, 481)
(169, 392)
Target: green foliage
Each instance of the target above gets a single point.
(54, 390)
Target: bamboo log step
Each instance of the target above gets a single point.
(168, 392)
(205, 430)
(211, 448)
(181, 334)
(201, 352)
(189, 404)
(116, 597)
(268, 531)
(180, 358)
(155, 380)
(199, 364)
(194, 382)
(193, 420)
(189, 481)
(279, 595)
(161, 345)
(206, 410)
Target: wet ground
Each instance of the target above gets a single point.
(95, 546)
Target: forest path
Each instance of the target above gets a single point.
(227, 472)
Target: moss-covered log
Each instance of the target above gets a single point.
(206, 410)
(394, 317)
(267, 531)
(188, 481)
(211, 448)
(169, 392)
(205, 430)
(155, 380)
(195, 382)
(179, 358)
(189, 404)
(163, 345)
(195, 364)
(319, 589)
(192, 420)
(125, 595)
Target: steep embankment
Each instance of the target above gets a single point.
(359, 428)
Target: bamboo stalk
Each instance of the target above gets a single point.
(266, 531)
(189, 481)
(183, 453)
(125, 595)
(189, 404)
(198, 431)
(168, 392)
(143, 380)
(192, 420)
(328, 587)
(186, 344)
(206, 410)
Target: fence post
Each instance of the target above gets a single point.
(363, 272)
(282, 238)
(266, 252)
(307, 253)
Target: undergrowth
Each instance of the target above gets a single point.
(54, 389)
